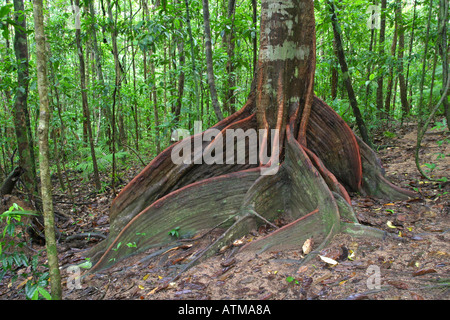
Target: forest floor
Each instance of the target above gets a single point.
(413, 263)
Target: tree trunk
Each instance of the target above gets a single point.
(229, 44)
(387, 103)
(43, 129)
(381, 57)
(334, 75)
(307, 154)
(84, 100)
(443, 49)
(254, 39)
(209, 62)
(98, 63)
(346, 75)
(21, 116)
(420, 111)
(194, 68)
(401, 49)
(181, 76)
(411, 41)
(116, 92)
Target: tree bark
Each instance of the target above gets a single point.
(254, 39)
(43, 129)
(194, 68)
(443, 49)
(387, 103)
(420, 111)
(229, 43)
(381, 57)
(411, 41)
(21, 115)
(84, 100)
(209, 62)
(401, 49)
(346, 75)
(334, 75)
(98, 63)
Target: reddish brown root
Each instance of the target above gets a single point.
(308, 190)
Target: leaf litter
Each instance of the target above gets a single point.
(413, 261)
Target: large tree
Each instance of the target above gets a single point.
(313, 161)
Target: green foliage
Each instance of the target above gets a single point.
(148, 41)
(13, 257)
(104, 160)
(175, 232)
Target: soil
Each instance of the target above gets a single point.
(411, 263)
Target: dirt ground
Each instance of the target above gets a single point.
(412, 263)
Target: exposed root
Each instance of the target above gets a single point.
(309, 189)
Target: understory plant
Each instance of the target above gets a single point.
(15, 257)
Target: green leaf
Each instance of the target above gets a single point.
(4, 10)
(85, 265)
(44, 293)
(290, 279)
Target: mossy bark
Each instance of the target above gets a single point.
(43, 129)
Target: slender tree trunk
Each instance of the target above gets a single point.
(135, 105)
(387, 103)
(194, 68)
(116, 92)
(86, 112)
(443, 49)
(43, 129)
(420, 111)
(334, 75)
(209, 62)
(21, 115)
(254, 39)
(381, 57)
(154, 97)
(369, 67)
(98, 63)
(346, 76)
(433, 78)
(401, 49)
(411, 41)
(229, 43)
(181, 76)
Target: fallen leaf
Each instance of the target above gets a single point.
(238, 242)
(307, 246)
(421, 272)
(24, 282)
(146, 276)
(141, 287)
(302, 269)
(398, 284)
(330, 261)
(352, 255)
(390, 225)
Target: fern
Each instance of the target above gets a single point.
(103, 156)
